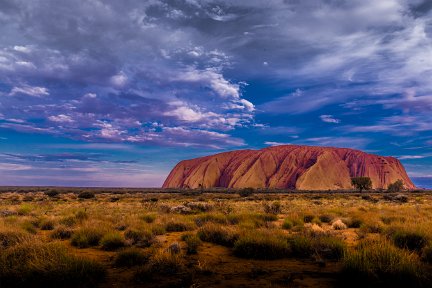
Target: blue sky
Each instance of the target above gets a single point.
(115, 93)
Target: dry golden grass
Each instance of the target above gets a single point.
(162, 239)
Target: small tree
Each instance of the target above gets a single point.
(396, 186)
(245, 192)
(362, 183)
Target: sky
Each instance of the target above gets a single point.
(115, 93)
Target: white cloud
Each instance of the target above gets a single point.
(13, 167)
(119, 80)
(30, 90)
(23, 49)
(213, 79)
(61, 118)
(185, 114)
(271, 143)
(410, 157)
(329, 119)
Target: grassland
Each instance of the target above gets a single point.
(60, 237)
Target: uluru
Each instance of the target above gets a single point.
(288, 167)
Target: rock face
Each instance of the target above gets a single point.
(287, 166)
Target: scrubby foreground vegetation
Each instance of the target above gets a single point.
(52, 239)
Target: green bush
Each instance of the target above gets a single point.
(47, 265)
(51, 193)
(379, 263)
(192, 242)
(24, 209)
(29, 226)
(86, 237)
(149, 218)
(81, 215)
(354, 223)
(411, 240)
(61, 233)
(160, 263)
(308, 218)
(86, 195)
(261, 246)
(177, 226)
(326, 218)
(396, 186)
(325, 246)
(112, 241)
(273, 208)
(140, 238)
(245, 192)
(130, 257)
(10, 238)
(217, 234)
(47, 224)
(287, 224)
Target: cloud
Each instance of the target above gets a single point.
(329, 119)
(61, 118)
(409, 157)
(29, 90)
(271, 143)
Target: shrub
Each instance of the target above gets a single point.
(287, 224)
(326, 218)
(130, 257)
(112, 241)
(427, 254)
(81, 215)
(51, 193)
(308, 218)
(361, 183)
(10, 238)
(149, 218)
(217, 234)
(207, 217)
(68, 221)
(372, 227)
(301, 246)
(245, 192)
(396, 186)
(160, 263)
(200, 206)
(86, 237)
(86, 195)
(61, 233)
(140, 238)
(24, 209)
(379, 262)
(157, 229)
(177, 226)
(46, 265)
(29, 227)
(411, 240)
(325, 246)
(192, 242)
(329, 247)
(273, 208)
(261, 246)
(265, 217)
(355, 223)
(47, 224)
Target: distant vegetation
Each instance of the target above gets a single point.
(362, 183)
(396, 186)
